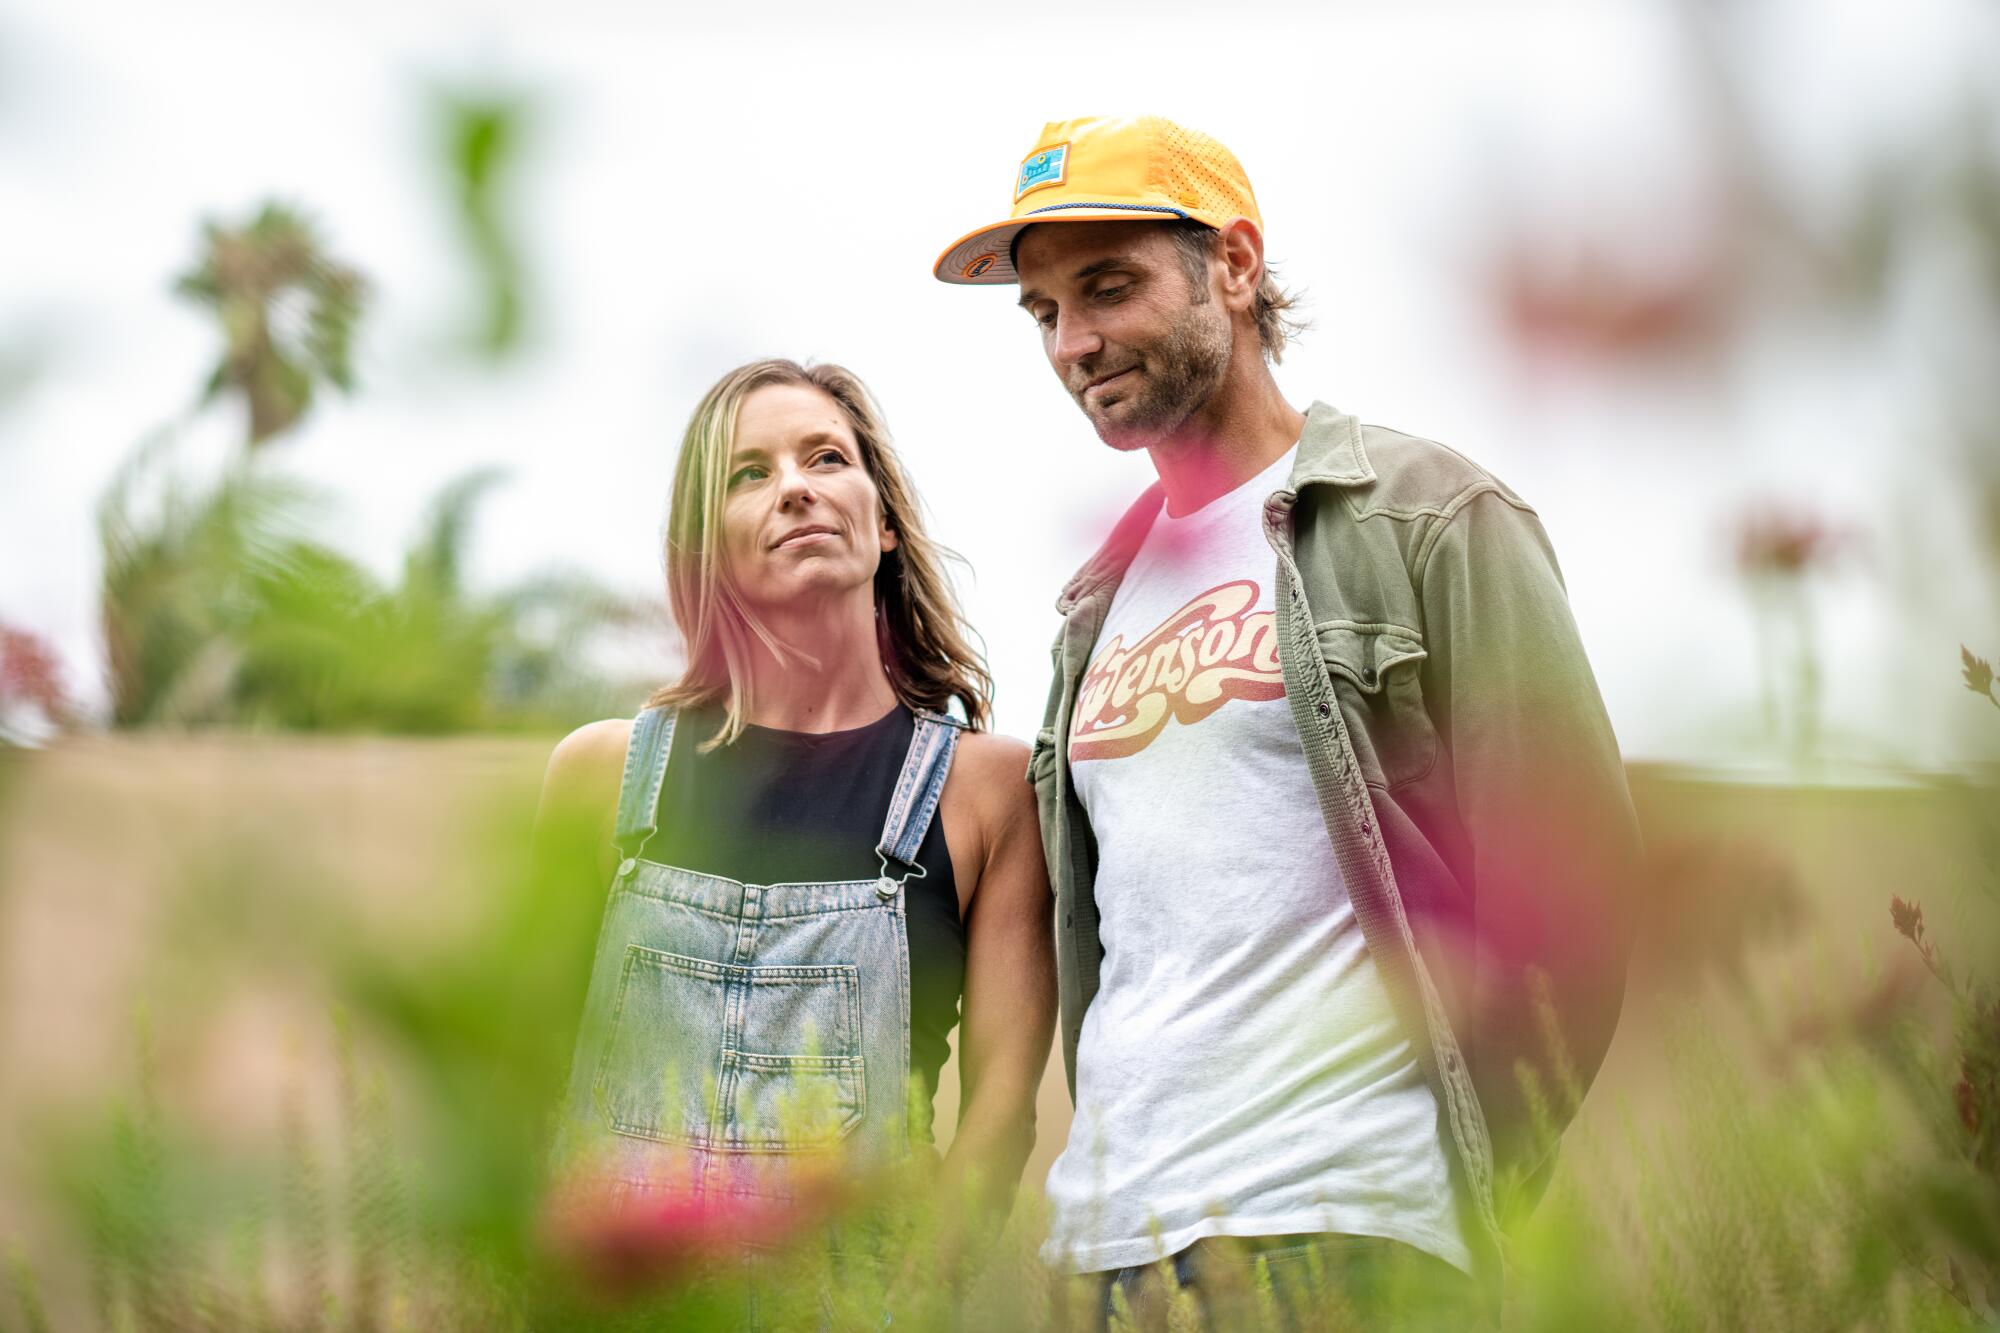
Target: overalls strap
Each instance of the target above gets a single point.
(915, 802)
(645, 769)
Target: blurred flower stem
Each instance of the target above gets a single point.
(1778, 547)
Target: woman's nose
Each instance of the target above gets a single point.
(794, 486)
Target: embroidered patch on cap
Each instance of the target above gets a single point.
(1043, 167)
(979, 266)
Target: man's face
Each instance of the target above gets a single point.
(1138, 345)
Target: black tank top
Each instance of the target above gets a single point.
(792, 807)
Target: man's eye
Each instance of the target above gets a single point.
(1046, 319)
(1117, 293)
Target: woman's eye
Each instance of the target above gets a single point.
(743, 474)
(831, 456)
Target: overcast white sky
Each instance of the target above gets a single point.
(777, 181)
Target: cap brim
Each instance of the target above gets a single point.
(960, 263)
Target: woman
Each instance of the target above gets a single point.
(809, 862)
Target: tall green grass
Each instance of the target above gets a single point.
(1761, 1164)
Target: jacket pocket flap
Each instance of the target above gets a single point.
(1365, 653)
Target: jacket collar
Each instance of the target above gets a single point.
(1330, 451)
(1330, 454)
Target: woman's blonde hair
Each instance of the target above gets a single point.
(924, 638)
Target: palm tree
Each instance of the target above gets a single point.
(221, 606)
(288, 314)
(185, 568)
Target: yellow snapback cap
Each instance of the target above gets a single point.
(1098, 169)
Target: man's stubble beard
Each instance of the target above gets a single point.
(1183, 371)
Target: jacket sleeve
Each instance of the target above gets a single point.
(1548, 821)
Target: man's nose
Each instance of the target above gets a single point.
(1075, 338)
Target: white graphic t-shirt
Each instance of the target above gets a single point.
(1240, 1071)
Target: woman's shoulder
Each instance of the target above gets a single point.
(986, 752)
(588, 764)
(989, 775)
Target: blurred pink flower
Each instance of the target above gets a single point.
(1597, 308)
(622, 1241)
(1775, 538)
(1606, 287)
(31, 673)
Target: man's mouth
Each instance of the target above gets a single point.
(1104, 380)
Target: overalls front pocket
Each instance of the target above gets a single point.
(724, 1056)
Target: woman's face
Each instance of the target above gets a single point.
(802, 518)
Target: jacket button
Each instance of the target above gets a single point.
(626, 867)
(1325, 708)
(1068, 920)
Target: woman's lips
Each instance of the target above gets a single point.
(805, 538)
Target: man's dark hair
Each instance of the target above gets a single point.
(1272, 307)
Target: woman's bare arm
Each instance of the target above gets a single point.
(578, 807)
(1009, 1007)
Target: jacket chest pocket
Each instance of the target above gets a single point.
(1375, 671)
(714, 1055)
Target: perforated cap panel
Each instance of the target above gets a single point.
(1199, 174)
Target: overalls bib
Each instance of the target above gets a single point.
(730, 1028)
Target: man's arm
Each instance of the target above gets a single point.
(1542, 797)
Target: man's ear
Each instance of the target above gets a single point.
(1241, 250)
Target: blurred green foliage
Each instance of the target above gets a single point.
(220, 605)
(220, 608)
(1959, 1082)
(481, 135)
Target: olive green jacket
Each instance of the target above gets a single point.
(1465, 768)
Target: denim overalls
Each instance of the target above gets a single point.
(730, 1028)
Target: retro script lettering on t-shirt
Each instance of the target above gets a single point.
(1212, 650)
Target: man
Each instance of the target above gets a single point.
(1335, 820)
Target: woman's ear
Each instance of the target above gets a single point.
(890, 541)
